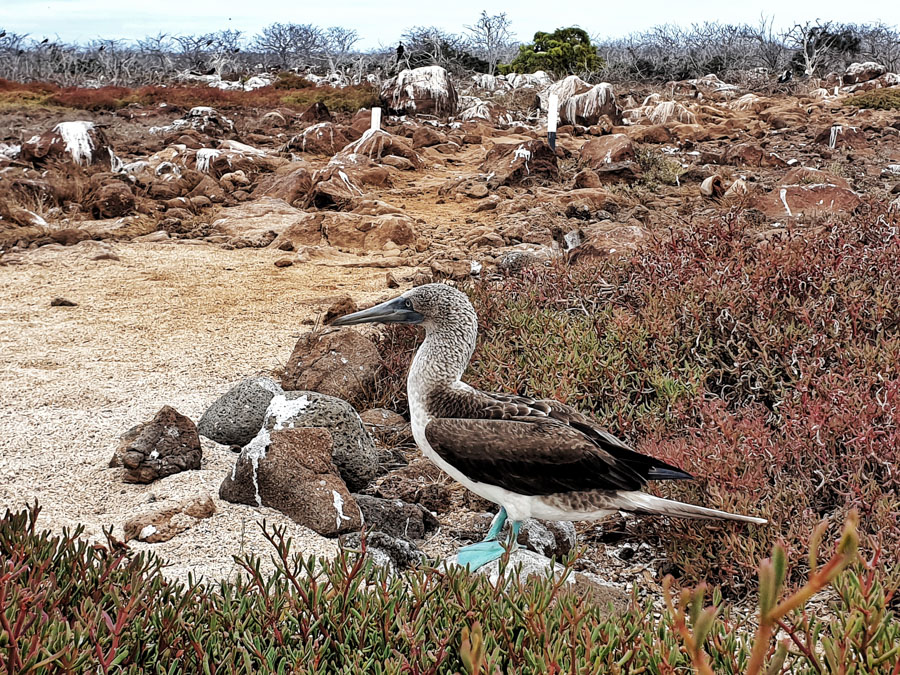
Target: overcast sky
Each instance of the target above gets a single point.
(382, 21)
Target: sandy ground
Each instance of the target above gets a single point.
(168, 323)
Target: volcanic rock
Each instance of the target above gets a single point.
(582, 103)
(395, 517)
(515, 163)
(353, 450)
(600, 153)
(324, 138)
(81, 142)
(426, 90)
(291, 470)
(393, 553)
(377, 143)
(750, 154)
(548, 538)
(862, 72)
(790, 201)
(340, 307)
(840, 136)
(237, 416)
(258, 223)
(295, 187)
(317, 112)
(337, 362)
(162, 524)
(166, 445)
(421, 482)
(113, 200)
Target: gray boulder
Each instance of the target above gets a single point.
(386, 551)
(547, 538)
(353, 451)
(237, 416)
(395, 517)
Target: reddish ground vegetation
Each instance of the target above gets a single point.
(764, 364)
(300, 94)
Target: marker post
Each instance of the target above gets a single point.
(552, 119)
(376, 119)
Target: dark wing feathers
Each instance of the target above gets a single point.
(534, 447)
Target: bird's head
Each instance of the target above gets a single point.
(432, 305)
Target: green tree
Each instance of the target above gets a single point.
(565, 51)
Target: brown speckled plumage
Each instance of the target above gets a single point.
(536, 458)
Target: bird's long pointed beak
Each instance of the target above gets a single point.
(392, 311)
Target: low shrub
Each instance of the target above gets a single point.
(68, 606)
(301, 94)
(657, 167)
(348, 99)
(103, 98)
(769, 368)
(880, 99)
(289, 80)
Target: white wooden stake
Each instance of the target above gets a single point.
(552, 119)
(553, 113)
(376, 119)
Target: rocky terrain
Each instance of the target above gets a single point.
(154, 258)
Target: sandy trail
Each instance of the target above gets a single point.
(168, 323)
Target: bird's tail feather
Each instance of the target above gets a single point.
(640, 502)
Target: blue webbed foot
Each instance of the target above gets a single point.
(480, 554)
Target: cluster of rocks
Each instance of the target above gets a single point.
(313, 184)
(302, 449)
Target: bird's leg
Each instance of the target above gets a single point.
(496, 525)
(480, 554)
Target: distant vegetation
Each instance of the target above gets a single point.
(297, 93)
(880, 99)
(565, 51)
(663, 53)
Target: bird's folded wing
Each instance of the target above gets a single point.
(530, 457)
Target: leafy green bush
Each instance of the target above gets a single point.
(880, 99)
(565, 51)
(67, 606)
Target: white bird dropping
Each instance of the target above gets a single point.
(376, 119)
(552, 119)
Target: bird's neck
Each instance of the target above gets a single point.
(444, 355)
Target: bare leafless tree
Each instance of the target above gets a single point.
(294, 45)
(490, 38)
(337, 43)
(820, 45)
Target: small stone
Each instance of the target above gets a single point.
(62, 302)
(343, 305)
(396, 517)
(392, 281)
(163, 524)
(167, 444)
(284, 262)
(386, 551)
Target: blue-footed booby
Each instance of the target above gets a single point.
(535, 458)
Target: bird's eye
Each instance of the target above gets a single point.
(408, 303)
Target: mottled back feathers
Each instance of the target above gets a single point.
(533, 447)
